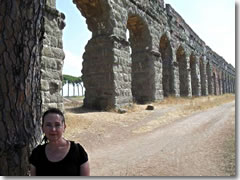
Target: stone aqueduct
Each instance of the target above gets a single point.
(162, 57)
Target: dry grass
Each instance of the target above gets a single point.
(203, 103)
(214, 100)
(197, 103)
(184, 107)
(138, 120)
(75, 124)
(79, 120)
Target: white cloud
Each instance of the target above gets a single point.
(72, 64)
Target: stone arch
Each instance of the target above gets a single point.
(219, 82)
(195, 79)
(230, 83)
(183, 72)
(106, 62)
(214, 83)
(203, 76)
(234, 87)
(224, 82)
(233, 84)
(142, 77)
(97, 15)
(227, 83)
(167, 72)
(140, 37)
(216, 80)
(210, 82)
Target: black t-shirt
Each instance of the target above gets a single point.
(69, 166)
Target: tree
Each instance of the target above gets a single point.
(78, 89)
(72, 80)
(63, 83)
(73, 84)
(81, 84)
(20, 97)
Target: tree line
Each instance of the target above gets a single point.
(75, 81)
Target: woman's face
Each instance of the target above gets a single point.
(53, 127)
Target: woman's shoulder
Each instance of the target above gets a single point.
(37, 154)
(76, 145)
(39, 148)
(80, 153)
(73, 142)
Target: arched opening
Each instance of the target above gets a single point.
(142, 79)
(167, 72)
(75, 36)
(214, 83)
(203, 78)
(229, 84)
(97, 67)
(233, 84)
(219, 83)
(223, 83)
(183, 74)
(209, 75)
(194, 76)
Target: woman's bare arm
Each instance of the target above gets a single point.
(85, 169)
(32, 170)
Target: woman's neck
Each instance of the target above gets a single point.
(58, 144)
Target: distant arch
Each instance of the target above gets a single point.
(194, 76)
(183, 74)
(214, 83)
(202, 75)
(223, 82)
(210, 82)
(139, 38)
(219, 82)
(167, 72)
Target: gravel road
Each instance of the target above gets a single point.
(196, 145)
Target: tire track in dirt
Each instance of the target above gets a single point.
(187, 147)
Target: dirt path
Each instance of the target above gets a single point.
(192, 146)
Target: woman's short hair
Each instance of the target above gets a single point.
(55, 111)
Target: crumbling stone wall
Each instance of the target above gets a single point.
(162, 57)
(52, 57)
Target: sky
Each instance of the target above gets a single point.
(212, 20)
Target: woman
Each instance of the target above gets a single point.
(58, 156)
